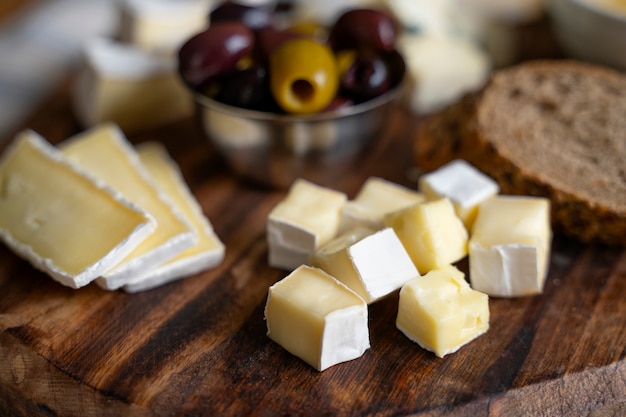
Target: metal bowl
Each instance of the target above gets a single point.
(590, 31)
(275, 149)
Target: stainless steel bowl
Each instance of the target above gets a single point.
(591, 32)
(275, 149)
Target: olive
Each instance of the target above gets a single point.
(270, 38)
(248, 88)
(303, 76)
(213, 52)
(253, 17)
(364, 28)
(367, 77)
(396, 65)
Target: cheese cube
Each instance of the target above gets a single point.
(162, 25)
(431, 232)
(509, 251)
(376, 198)
(371, 263)
(105, 153)
(130, 87)
(317, 318)
(64, 221)
(441, 68)
(305, 219)
(207, 252)
(440, 312)
(463, 184)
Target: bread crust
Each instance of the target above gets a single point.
(461, 131)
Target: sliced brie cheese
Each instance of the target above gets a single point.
(305, 219)
(509, 250)
(208, 252)
(376, 198)
(440, 312)
(61, 219)
(128, 86)
(105, 153)
(317, 318)
(463, 184)
(431, 232)
(371, 263)
(162, 25)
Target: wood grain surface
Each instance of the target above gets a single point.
(198, 347)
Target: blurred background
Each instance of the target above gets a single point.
(40, 43)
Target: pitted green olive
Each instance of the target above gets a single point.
(303, 76)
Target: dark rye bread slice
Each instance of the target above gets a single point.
(549, 128)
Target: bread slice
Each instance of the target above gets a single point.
(550, 128)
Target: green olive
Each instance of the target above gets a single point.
(303, 76)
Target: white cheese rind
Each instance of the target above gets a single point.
(317, 318)
(105, 152)
(130, 87)
(376, 198)
(61, 219)
(463, 184)
(305, 219)
(440, 312)
(207, 253)
(509, 251)
(371, 263)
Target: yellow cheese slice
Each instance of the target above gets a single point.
(60, 219)
(105, 152)
(208, 251)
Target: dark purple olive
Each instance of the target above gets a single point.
(364, 28)
(253, 17)
(248, 88)
(214, 52)
(367, 77)
(270, 38)
(396, 65)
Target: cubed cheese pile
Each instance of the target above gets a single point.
(392, 238)
(131, 79)
(95, 208)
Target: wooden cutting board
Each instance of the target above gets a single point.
(198, 347)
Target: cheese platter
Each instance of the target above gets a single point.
(199, 346)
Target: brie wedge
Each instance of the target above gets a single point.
(317, 318)
(64, 221)
(371, 263)
(440, 312)
(207, 253)
(105, 153)
(509, 251)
